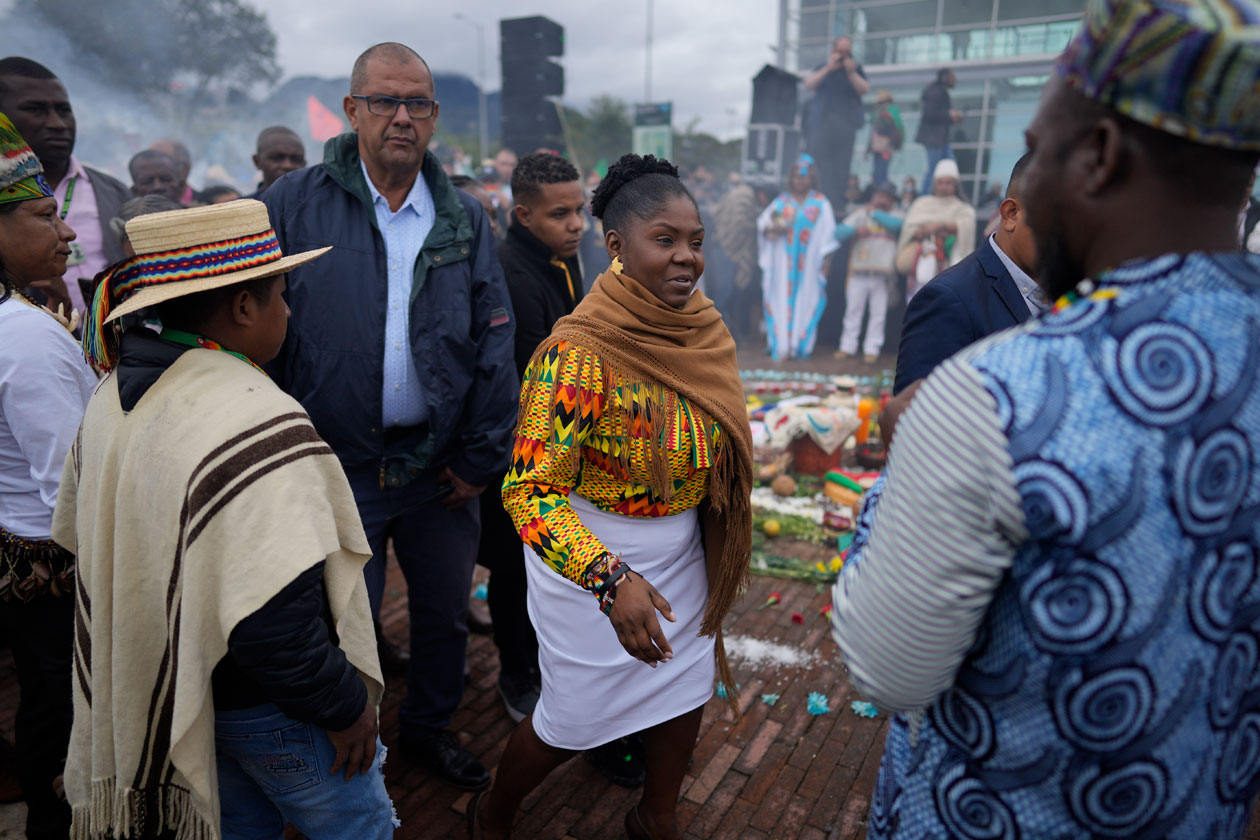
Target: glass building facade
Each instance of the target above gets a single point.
(1001, 52)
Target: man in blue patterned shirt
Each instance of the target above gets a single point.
(1058, 585)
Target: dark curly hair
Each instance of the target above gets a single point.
(532, 171)
(636, 187)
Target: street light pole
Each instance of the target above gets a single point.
(483, 126)
(647, 73)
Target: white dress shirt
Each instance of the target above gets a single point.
(1034, 297)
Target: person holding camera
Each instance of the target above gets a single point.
(835, 115)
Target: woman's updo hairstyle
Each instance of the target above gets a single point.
(636, 187)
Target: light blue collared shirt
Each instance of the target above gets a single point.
(1034, 297)
(404, 233)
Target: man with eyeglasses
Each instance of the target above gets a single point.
(401, 349)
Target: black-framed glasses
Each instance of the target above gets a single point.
(387, 106)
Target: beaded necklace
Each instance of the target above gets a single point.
(190, 340)
(1085, 290)
(70, 323)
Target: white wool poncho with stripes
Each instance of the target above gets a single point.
(188, 514)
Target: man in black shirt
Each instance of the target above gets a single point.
(835, 115)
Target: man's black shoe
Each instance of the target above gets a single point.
(394, 660)
(620, 760)
(439, 752)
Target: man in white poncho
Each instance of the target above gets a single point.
(940, 229)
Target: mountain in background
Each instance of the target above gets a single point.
(456, 93)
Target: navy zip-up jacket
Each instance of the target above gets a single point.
(460, 323)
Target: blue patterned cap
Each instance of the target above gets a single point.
(1187, 67)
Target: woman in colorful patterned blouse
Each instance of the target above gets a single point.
(630, 486)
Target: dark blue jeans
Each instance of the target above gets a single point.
(880, 173)
(275, 770)
(935, 154)
(436, 550)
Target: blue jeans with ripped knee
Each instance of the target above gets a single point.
(274, 770)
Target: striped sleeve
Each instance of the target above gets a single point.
(941, 536)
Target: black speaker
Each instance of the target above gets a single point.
(530, 37)
(531, 124)
(532, 77)
(775, 94)
(541, 118)
(530, 120)
(769, 150)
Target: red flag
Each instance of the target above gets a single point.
(325, 125)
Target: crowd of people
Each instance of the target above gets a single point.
(218, 418)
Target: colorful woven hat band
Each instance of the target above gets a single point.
(1187, 67)
(21, 177)
(126, 278)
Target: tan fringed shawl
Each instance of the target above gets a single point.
(687, 351)
(186, 515)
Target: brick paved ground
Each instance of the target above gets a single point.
(778, 773)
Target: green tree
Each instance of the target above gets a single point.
(222, 41)
(144, 45)
(695, 148)
(603, 131)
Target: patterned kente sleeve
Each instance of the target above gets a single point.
(544, 471)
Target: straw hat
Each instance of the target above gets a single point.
(182, 252)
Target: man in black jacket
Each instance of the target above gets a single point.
(400, 348)
(87, 199)
(936, 119)
(835, 115)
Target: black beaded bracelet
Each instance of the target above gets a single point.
(601, 578)
(608, 592)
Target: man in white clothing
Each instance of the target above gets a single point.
(873, 230)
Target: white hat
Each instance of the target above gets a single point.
(947, 168)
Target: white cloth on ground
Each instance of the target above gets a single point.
(593, 691)
(827, 422)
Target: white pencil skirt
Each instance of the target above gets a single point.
(592, 690)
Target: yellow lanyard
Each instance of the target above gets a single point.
(567, 277)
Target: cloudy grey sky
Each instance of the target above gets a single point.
(704, 54)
